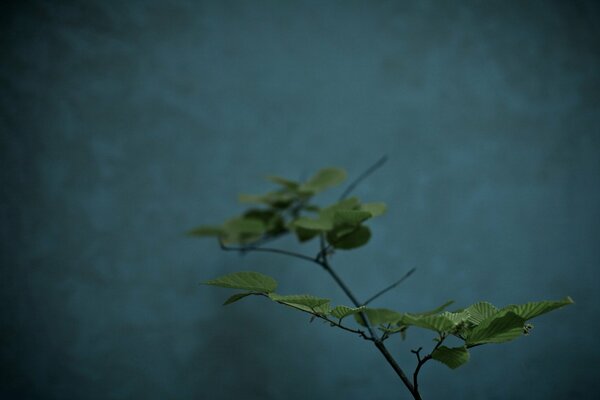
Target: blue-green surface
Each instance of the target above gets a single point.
(123, 124)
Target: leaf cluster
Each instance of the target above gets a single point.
(254, 283)
(289, 209)
(480, 323)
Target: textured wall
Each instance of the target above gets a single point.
(125, 123)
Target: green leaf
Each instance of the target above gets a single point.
(244, 225)
(205, 230)
(350, 217)
(283, 182)
(498, 326)
(324, 179)
(279, 199)
(303, 302)
(378, 316)
(251, 198)
(457, 317)
(501, 327)
(313, 224)
(305, 235)
(440, 323)
(445, 322)
(340, 213)
(340, 232)
(531, 310)
(356, 238)
(453, 357)
(341, 312)
(376, 209)
(236, 297)
(242, 230)
(272, 220)
(347, 204)
(395, 329)
(328, 212)
(481, 311)
(247, 280)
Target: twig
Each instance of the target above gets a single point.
(422, 361)
(358, 331)
(417, 352)
(267, 250)
(324, 318)
(388, 333)
(262, 241)
(381, 347)
(392, 286)
(324, 262)
(362, 177)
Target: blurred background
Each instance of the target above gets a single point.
(124, 124)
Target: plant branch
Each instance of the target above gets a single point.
(325, 264)
(417, 353)
(422, 361)
(322, 260)
(388, 333)
(392, 286)
(374, 337)
(362, 177)
(265, 239)
(324, 318)
(339, 325)
(381, 347)
(325, 249)
(267, 250)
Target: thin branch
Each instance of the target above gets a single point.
(374, 337)
(417, 352)
(422, 361)
(324, 318)
(386, 333)
(381, 347)
(470, 346)
(262, 241)
(389, 332)
(362, 177)
(357, 331)
(340, 283)
(325, 249)
(392, 286)
(267, 250)
(324, 262)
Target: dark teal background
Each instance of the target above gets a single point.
(123, 124)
